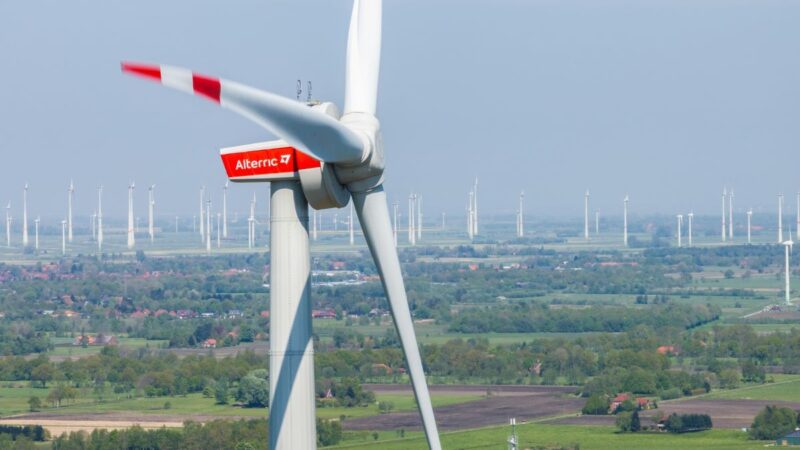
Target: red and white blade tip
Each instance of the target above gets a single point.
(178, 78)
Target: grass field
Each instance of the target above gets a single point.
(14, 400)
(588, 437)
(64, 347)
(785, 387)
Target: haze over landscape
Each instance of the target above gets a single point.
(667, 101)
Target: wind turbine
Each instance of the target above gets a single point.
(691, 219)
(724, 228)
(586, 215)
(208, 226)
(70, 194)
(625, 220)
(225, 211)
(36, 230)
(680, 228)
(151, 202)
(471, 216)
(597, 222)
(444, 220)
(749, 217)
(787, 245)
(418, 201)
(100, 219)
(131, 225)
(780, 218)
(521, 216)
(63, 237)
(730, 214)
(25, 216)
(475, 208)
(350, 226)
(336, 158)
(8, 225)
(412, 235)
(202, 213)
(94, 225)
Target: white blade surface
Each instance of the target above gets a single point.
(363, 57)
(373, 213)
(310, 131)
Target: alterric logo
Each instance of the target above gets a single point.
(247, 163)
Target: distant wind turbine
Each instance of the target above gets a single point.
(63, 237)
(131, 225)
(100, 219)
(788, 275)
(70, 194)
(475, 208)
(151, 202)
(625, 220)
(36, 230)
(691, 219)
(780, 218)
(350, 225)
(749, 217)
(521, 215)
(724, 228)
(25, 216)
(586, 215)
(225, 211)
(680, 229)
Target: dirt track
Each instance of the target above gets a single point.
(522, 402)
(724, 413)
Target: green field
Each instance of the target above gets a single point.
(785, 387)
(64, 347)
(588, 437)
(14, 400)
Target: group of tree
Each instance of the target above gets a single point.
(773, 422)
(213, 435)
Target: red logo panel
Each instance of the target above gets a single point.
(267, 163)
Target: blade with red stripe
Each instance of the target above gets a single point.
(311, 132)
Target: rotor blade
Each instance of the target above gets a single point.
(363, 57)
(373, 213)
(311, 132)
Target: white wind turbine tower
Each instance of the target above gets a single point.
(470, 217)
(350, 226)
(418, 201)
(730, 214)
(100, 219)
(586, 215)
(94, 225)
(797, 221)
(521, 216)
(8, 225)
(412, 234)
(225, 211)
(131, 225)
(724, 228)
(691, 219)
(625, 220)
(311, 135)
(25, 216)
(444, 220)
(208, 227)
(749, 218)
(151, 202)
(63, 237)
(36, 230)
(202, 213)
(251, 224)
(70, 195)
(680, 229)
(788, 275)
(780, 218)
(475, 208)
(597, 222)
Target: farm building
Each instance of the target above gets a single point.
(792, 438)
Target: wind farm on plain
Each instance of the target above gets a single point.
(510, 225)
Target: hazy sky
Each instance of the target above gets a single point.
(666, 100)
